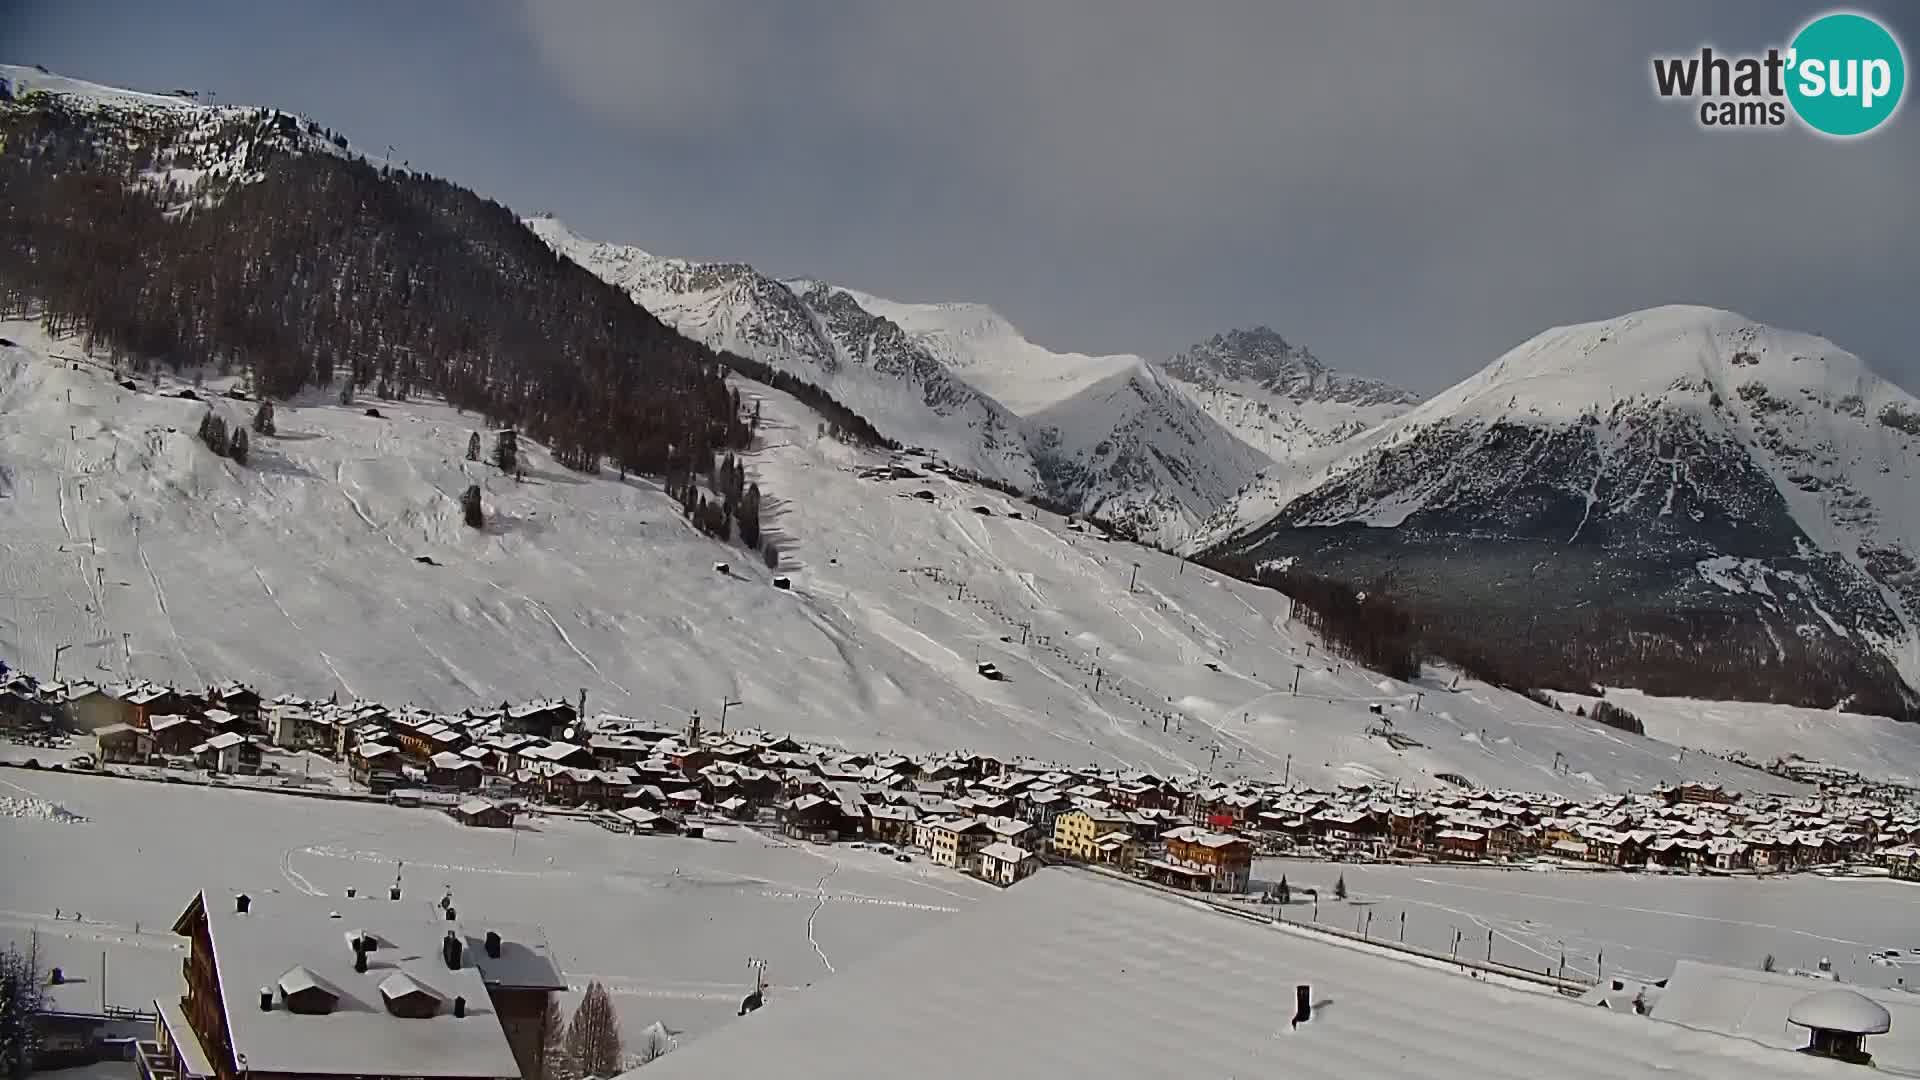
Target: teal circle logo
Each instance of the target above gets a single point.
(1846, 74)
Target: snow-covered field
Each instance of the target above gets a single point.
(666, 923)
(1637, 924)
(1867, 745)
(299, 573)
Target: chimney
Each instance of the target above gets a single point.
(1303, 1004)
(459, 1008)
(493, 944)
(393, 893)
(242, 902)
(360, 955)
(450, 915)
(350, 892)
(266, 999)
(450, 950)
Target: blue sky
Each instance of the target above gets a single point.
(1407, 189)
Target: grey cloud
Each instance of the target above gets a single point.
(1408, 188)
(658, 67)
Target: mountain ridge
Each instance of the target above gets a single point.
(1687, 458)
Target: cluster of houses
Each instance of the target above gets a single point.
(976, 813)
(218, 728)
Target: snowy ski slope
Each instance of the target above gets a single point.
(299, 572)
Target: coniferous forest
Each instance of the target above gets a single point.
(1681, 653)
(310, 268)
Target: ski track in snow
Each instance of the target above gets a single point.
(815, 913)
(558, 629)
(295, 877)
(160, 599)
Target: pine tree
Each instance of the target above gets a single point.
(593, 1036)
(22, 998)
(473, 447)
(771, 552)
(748, 515)
(213, 432)
(1340, 888)
(554, 1054)
(506, 451)
(470, 506)
(1283, 892)
(237, 446)
(263, 418)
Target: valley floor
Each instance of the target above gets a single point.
(1637, 925)
(666, 923)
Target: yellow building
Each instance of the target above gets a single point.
(955, 841)
(1077, 833)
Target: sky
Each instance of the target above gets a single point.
(1407, 189)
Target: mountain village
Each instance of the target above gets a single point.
(975, 813)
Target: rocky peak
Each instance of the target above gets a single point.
(1261, 356)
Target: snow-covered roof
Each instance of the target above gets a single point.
(400, 984)
(285, 934)
(1074, 974)
(1005, 852)
(525, 961)
(1759, 1005)
(1842, 1010)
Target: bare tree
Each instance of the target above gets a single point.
(654, 1045)
(593, 1036)
(22, 997)
(556, 1057)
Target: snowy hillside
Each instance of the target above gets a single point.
(1134, 450)
(302, 572)
(210, 145)
(1681, 458)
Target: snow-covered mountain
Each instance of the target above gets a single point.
(1134, 450)
(1110, 436)
(820, 335)
(1113, 435)
(987, 350)
(1278, 397)
(1682, 461)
